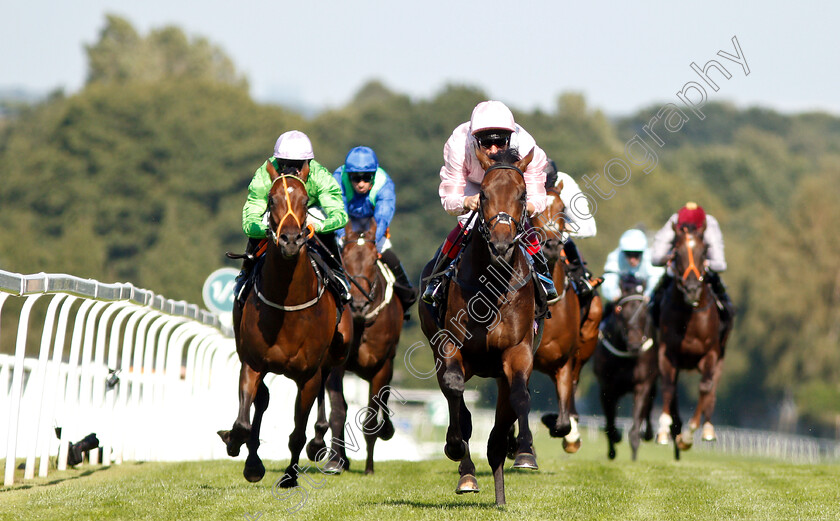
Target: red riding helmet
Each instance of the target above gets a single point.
(691, 214)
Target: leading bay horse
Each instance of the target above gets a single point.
(626, 362)
(689, 337)
(377, 324)
(287, 325)
(488, 327)
(567, 343)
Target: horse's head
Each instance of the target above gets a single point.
(502, 206)
(551, 224)
(631, 315)
(360, 258)
(688, 262)
(287, 201)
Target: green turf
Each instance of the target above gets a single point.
(584, 486)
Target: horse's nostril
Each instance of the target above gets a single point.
(284, 238)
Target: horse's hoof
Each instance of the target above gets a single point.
(333, 467)
(287, 481)
(525, 461)
(614, 436)
(550, 421)
(571, 446)
(683, 442)
(254, 473)
(709, 432)
(611, 454)
(454, 451)
(467, 483)
(313, 448)
(648, 435)
(663, 438)
(386, 432)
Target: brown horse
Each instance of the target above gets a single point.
(286, 326)
(377, 320)
(488, 328)
(625, 362)
(689, 337)
(566, 343)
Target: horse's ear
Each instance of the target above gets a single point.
(483, 159)
(348, 229)
(701, 231)
(559, 186)
(523, 163)
(272, 172)
(304, 172)
(372, 228)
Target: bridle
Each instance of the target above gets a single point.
(485, 226)
(275, 235)
(370, 295)
(646, 342)
(692, 267)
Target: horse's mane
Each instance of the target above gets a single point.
(508, 156)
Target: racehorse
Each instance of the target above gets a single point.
(689, 337)
(288, 325)
(377, 320)
(488, 327)
(566, 343)
(625, 362)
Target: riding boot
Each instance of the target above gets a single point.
(247, 265)
(402, 286)
(727, 310)
(582, 281)
(656, 299)
(434, 289)
(541, 269)
(332, 257)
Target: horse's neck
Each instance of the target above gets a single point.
(279, 273)
(479, 263)
(557, 268)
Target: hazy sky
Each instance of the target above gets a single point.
(622, 56)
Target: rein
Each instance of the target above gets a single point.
(297, 307)
(389, 291)
(275, 235)
(609, 345)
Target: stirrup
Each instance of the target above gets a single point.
(430, 295)
(548, 286)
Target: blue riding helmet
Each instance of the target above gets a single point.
(361, 159)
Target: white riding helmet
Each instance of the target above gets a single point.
(293, 145)
(491, 114)
(633, 240)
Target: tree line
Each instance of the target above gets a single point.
(141, 177)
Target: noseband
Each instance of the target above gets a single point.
(275, 235)
(485, 226)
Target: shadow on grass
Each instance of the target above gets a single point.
(450, 504)
(86, 473)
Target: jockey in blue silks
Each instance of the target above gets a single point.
(368, 192)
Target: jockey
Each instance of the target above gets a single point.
(632, 257)
(294, 149)
(663, 242)
(368, 192)
(492, 128)
(582, 228)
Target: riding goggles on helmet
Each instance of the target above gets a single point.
(488, 139)
(357, 177)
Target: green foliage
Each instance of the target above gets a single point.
(141, 177)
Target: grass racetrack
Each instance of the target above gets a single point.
(584, 486)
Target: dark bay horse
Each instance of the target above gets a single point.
(566, 343)
(689, 337)
(487, 329)
(377, 323)
(286, 326)
(625, 362)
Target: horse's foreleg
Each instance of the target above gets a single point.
(571, 441)
(559, 424)
(609, 400)
(518, 363)
(668, 372)
(378, 404)
(254, 468)
(642, 401)
(496, 444)
(466, 469)
(307, 393)
(315, 447)
(249, 380)
(452, 382)
(338, 460)
(710, 371)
